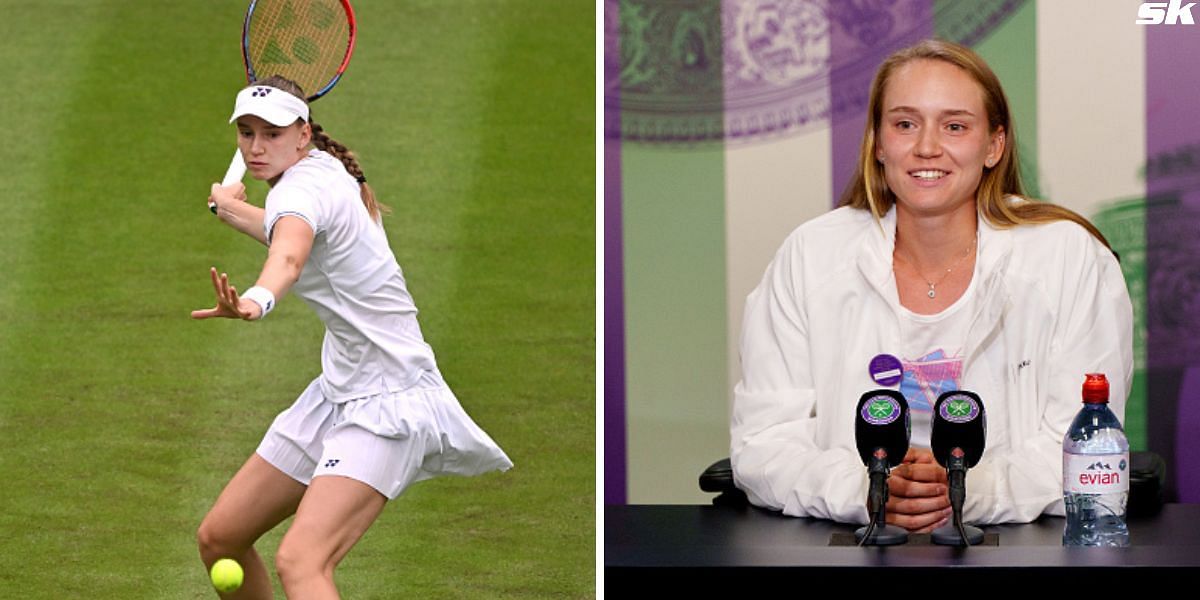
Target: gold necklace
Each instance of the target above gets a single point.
(932, 293)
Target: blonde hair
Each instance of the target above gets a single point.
(868, 189)
(334, 148)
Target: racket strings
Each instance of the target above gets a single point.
(306, 42)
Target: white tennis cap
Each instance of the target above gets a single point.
(274, 105)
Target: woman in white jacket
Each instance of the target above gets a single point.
(935, 274)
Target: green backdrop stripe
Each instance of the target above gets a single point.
(673, 228)
(1011, 51)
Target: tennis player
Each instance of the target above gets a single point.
(380, 416)
(937, 273)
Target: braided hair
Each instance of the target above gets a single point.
(331, 146)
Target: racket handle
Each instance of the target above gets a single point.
(237, 169)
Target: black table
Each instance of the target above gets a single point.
(702, 548)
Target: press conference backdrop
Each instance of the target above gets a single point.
(728, 123)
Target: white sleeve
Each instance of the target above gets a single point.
(774, 451)
(291, 199)
(1093, 334)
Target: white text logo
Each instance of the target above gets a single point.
(1170, 13)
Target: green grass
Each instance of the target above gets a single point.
(121, 419)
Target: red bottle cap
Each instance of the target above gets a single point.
(1095, 388)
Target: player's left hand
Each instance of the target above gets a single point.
(229, 304)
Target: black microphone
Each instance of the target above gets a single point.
(881, 431)
(957, 438)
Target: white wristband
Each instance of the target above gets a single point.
(262, 297)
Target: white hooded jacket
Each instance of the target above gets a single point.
(1051, 305)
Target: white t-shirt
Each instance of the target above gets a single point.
(373, 343)
(932, 360)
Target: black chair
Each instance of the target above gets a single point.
(1147, 470)
(718, 477)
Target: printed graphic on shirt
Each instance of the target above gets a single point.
(928, 376)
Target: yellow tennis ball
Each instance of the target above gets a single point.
(226, 575)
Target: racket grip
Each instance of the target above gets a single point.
(237, 169)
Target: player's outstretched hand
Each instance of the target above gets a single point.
(229, 305)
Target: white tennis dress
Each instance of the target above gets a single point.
(380, 411)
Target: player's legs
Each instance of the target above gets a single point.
(257, 499)
(335, 513)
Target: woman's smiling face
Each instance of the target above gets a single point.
(934, 139)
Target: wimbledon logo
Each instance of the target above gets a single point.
(880, 410)
(959, 409)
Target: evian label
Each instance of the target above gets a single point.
(1095, 473)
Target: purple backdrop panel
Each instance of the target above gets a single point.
(1173, 250)
(614, 289)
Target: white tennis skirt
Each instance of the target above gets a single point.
(387, 441)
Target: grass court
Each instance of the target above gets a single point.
(121, 419)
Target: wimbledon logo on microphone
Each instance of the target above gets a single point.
(959, 409)
(880, 410)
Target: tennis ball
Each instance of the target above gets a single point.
(226, 575)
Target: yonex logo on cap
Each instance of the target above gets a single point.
(280, 109)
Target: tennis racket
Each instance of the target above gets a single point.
(307, 41)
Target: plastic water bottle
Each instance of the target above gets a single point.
(1095, 472)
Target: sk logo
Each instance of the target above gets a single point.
(1174, 12)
